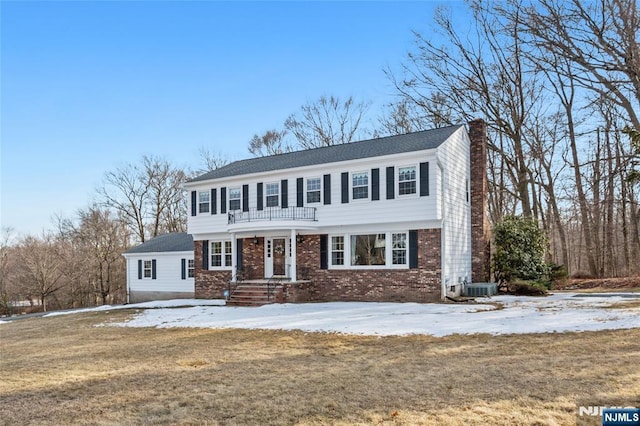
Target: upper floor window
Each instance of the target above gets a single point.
(273, 194)
(234, 199)
(190, 268)
(407, 180)
(360, 185)
(313, 190)
(146, 268)
(203, 201)
(221, 254)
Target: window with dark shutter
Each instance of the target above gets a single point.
(259, 199)
(214, 201)
(205, 255)
(327, 189)
(194, 203)
(324, 257)
(153, 269)
(284, 185)
(424, 179)
(390, 184)
(300, 192)
(223, 200)
(413, 249)
(375, 184)
(245, 198)
(345, 187)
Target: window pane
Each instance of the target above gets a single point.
(399, 245)
(368, 249)
(360, 192)
(337, 250)
(313, 190)
(407, 180)
(203, 204)
(227, 251)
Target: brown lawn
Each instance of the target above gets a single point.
(69, 370)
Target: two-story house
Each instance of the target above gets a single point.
(399, 218)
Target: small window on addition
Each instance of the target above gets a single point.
(452, 289)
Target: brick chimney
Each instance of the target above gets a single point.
(480, 232)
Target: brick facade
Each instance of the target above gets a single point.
(421, 284)
(480, 231)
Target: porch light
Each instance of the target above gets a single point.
(299, 239)
(255, 240)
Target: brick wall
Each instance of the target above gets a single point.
(480, 238)
(422, 284)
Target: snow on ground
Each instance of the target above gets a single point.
(562, 312)
(156, 304)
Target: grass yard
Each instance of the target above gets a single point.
(68, 370)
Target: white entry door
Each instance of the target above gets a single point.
(276, 257)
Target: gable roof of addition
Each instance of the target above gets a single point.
(177, 241)
(417, 141)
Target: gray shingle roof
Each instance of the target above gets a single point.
(418, 141)
(177, 241)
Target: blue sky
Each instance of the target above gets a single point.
(89, 86)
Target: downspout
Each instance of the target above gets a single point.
(443, 284)
(128, 278)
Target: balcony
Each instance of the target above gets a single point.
(271, 214)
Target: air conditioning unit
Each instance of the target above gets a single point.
(480, 289)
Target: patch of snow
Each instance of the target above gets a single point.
(156, 304)
(562, 312)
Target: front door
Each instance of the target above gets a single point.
(277, 253)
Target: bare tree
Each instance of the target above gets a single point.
(407, 117)
(6, 271)
(210, 161)
(148, 196)
(600, 39)
(327, 121)
(41, 266)
(270, 143)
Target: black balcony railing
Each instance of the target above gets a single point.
(273, 213)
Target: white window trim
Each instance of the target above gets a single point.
(266, 195)
(144, 268)
(191, 268)
(331, 251)
(223, 253)
(417, 180)
(239, 188)
(306, 190)
(359, 200)
(388, 251)
(200, 203)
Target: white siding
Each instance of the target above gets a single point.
(168, 273)
(411, 212)
(456, 222)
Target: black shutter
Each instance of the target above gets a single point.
(424, 179)
(300, 192)
(259, 198)
(139, 269)
(390, 185)
(345, 187)
(375, 184)
(324, 251)
(183, 268)
(194, 203)
(239, 259)
(413, 249)
(153, 269)
(327, 189)
(245, 198)
(223, 200)
(284, 188)
(205, 254)
(214, 201)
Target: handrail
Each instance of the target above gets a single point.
(272, 213)
(269, 290)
